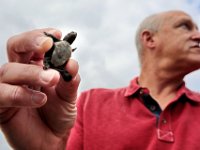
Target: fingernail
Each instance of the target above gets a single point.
(38, 98)
(47, 76)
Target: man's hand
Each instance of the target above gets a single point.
(37, 107)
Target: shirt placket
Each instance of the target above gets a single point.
(164, 127)
(163, 118)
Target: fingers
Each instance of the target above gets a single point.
(19, 96)
(14, 77)
(32, 75)
(30, 42)
(68, 90)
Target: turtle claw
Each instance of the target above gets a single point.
(74, 49)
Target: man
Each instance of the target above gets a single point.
(156, 111)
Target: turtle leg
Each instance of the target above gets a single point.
(53, 37)
(46, 63)
(65, 75)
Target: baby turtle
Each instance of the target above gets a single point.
(57, 57)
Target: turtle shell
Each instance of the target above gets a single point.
(61, 54)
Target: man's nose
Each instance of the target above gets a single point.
(196, 35)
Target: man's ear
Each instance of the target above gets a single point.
(148, 39)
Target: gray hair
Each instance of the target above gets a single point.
(151, 23)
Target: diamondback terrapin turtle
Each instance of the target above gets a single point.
(57, 57)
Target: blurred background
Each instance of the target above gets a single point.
(106, 29)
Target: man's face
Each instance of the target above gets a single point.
(178, 40)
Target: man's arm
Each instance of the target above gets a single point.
(37, 107)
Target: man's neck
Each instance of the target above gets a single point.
(163, 85)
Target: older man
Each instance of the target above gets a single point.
(156, 111)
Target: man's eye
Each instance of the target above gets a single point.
(185, 26)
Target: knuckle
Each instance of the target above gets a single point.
(2, 95)
(10, 43)
(12, 46)
(7, 95)
(17, 96)
(15, 93)
(3, 71)
(32, 72)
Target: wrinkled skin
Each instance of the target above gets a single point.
(37, 107)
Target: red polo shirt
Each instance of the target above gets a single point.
(118, 119)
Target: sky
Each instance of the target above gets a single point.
(106, 29)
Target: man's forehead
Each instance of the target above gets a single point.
(175, 16)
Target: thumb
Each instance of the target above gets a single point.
(30, 42)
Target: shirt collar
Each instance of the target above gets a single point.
(191, 95)
(132, 88)
(183, 90)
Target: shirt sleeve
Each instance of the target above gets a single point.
(75, 140)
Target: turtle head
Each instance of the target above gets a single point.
(70, 37)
